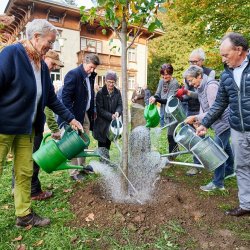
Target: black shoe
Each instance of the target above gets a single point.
(238, 211)
(87, 170)
(32, 219)
(77, 177)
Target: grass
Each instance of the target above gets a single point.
(61, 236)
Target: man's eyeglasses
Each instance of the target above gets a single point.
(194, 61)
(50, 43)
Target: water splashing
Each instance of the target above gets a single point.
(144, 167)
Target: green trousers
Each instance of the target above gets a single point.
(21, 147)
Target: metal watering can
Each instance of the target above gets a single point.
(174, 107)
(209, 153)
(186, 136)
(151, 116)
(115, 129)
(54, 155)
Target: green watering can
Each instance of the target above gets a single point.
(54, 155)
(151, 116)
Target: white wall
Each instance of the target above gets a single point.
(69, 50)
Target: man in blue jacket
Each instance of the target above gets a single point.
(25, 89)
(78, 96)
(234, 91)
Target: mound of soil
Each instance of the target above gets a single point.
(200, 218)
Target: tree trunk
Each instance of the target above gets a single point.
(123, 35)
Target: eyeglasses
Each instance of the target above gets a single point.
(110, 82)
(193, 62)
(50, 43)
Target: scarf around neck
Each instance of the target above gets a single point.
(32, 53)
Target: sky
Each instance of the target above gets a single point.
(87, 3)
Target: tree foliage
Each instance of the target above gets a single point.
(191, 24)
(214, 18)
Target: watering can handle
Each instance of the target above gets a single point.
(168, 100)
(44, 139)
(175, 130)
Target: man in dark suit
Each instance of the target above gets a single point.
(77, 95)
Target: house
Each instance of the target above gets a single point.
(75, 38)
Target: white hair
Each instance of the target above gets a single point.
(193, 71)
(200, 52)
(41, 26)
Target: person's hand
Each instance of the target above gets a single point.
(136, 97)
(151, 100)
(115, 115)
(133, 100)
(56, 135)
(76, 125)
(201, 130)
(181, 92)
(190, 119)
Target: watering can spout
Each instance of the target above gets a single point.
(66, 165)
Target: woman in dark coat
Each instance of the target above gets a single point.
(108, 107)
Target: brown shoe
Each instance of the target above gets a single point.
(238, 211)
(42, 196)
(32, 219)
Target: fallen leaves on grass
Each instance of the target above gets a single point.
(38, 243)
(20, 237)
(67, 190)
(21, 247)
(90, 217)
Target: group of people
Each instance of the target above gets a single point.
(223, 105)
(26, 89)
(27, 94)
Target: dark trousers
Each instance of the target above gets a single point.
(35, 182)
(104, 144)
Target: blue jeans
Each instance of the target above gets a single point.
(228, 167)
(162, 115)
(189, 113)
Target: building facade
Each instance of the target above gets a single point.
(75, 39)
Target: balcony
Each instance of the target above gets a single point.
(106, 60)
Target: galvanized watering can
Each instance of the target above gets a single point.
(54, 155)
(209, 153)
(115, 129)
(174, 107)
(151, 116)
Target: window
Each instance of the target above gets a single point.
(101, 81)
(131, 55)
(131, 82)
(91, 45)
(56, 79)
(56, 45)
(53, 18)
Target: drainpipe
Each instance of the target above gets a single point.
(146, 58)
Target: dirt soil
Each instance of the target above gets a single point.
(201, 218)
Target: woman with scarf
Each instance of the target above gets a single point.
(25, 90)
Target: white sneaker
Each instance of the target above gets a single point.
(192, 171)
(230, 176)
(211, 187)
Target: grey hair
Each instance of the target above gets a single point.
(92, 58)
(237, 40)
(193, 71)
(41, 26)
(111, 75)
(200, 52)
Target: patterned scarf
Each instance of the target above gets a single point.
(32, 53)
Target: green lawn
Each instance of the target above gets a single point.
(60, 236)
